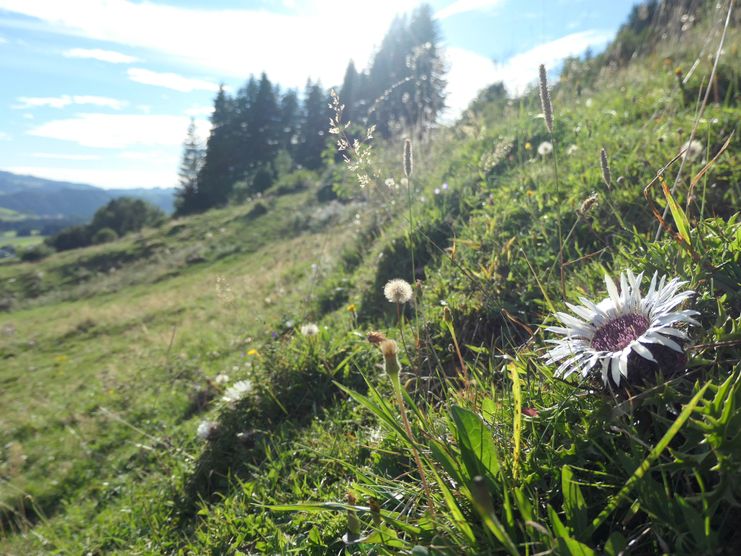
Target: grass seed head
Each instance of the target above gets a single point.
(605, 164)
(408, 158)
(545, 99)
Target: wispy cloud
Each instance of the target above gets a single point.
(229, 42)
(66, 100)
(65, 156)
(470, 72)
(4, 136)
(3, 40)
(110, 56)
(118, 131)
(170, 80)
(465, 6)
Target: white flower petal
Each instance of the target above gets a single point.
(612, 290)
(643, 351)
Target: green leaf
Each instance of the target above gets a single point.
(615, 544)
(476, 444)
(653, 455)
(573, 500)
(680, 218)
(514, 368)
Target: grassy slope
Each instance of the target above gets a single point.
(97, 428)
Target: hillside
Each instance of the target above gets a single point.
(163, 394)
(38, 197)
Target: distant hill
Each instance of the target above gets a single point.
(38, 197)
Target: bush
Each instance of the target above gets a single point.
(104, 235)
(73, 237)
(36, 253)
(124, 215)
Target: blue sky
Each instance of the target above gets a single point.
(101, 91)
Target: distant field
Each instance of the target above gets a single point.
(10, 238)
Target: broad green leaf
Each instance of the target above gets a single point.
(476, 444)
(573, 501)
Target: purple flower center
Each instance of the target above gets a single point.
(617, 333)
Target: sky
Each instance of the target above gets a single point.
(102, 91)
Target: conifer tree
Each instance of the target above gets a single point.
(186, 197)
(217, 175)
(314, 125)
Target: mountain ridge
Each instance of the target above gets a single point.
(41, 197)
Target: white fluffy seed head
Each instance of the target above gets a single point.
(398, 291)
(309, 329)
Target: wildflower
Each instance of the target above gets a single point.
(376, 337)
(614, 334)
(692, 149)
(352, 308)
(445, 186)
(408, 158)
(221, 378)
(572, 149)
(252, 352)
(398, 291)
(207, 430)
(604, 163)
(545, 148)
(545, 99)
(237, 391)
(437, 191)
(528, 146)
(390, 351)
(588, 204)
(309, 329)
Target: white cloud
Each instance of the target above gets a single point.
(118, 131)
(109, 56)
(200, 111)
(3, 40)
(470, 72)
(465, 6)
(170, 81)
(4, 136)
(231, 43)
(109, 179)
(62, 156)
(67, 100)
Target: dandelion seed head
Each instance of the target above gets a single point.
(398, 291)
(545, 148)
(693, 149)
(309, 329)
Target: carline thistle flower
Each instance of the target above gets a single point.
(624, 332)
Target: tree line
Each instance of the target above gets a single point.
(262, 132)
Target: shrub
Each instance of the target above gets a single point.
(73, 237)
(36, 253)
(104, 235)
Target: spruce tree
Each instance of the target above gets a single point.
(186, 197)
(217, 175)
(314, 126)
